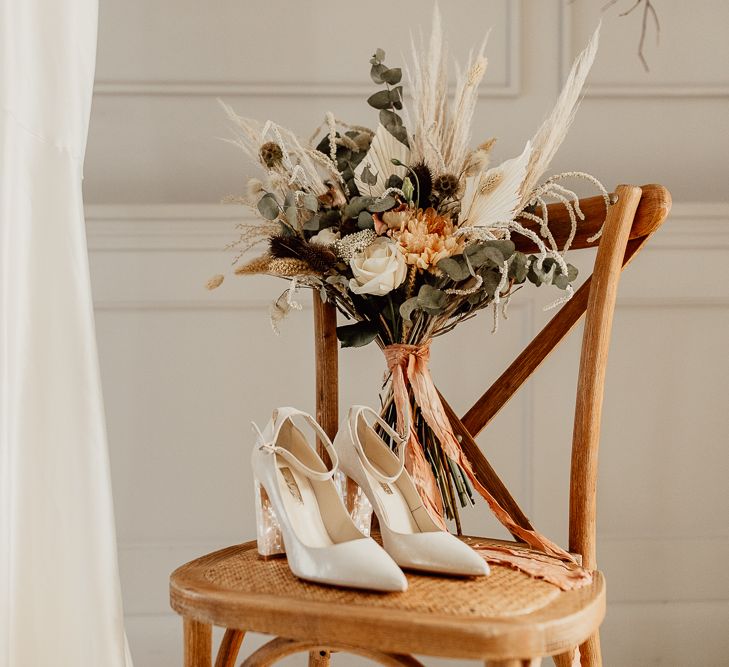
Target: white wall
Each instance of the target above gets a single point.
(185, 370)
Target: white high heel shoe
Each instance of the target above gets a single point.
(409, 534)
(300, 513)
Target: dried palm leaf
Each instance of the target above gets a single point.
(378, 161)
(553, 130)
(495, 195)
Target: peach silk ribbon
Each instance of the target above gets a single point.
(409, 367)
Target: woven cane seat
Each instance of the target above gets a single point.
(236, 588)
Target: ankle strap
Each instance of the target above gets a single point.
(280, 417)
(401, 440)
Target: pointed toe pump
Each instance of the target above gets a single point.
(409, 534)
(299, 512)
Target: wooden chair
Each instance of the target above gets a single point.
(506, 619)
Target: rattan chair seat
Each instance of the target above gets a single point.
(236, 588)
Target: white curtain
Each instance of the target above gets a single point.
(60, 602)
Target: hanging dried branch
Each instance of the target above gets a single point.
(648, 11)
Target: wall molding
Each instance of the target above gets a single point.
(627, 90)
(168, 87)
(210, 227)
(162, 227)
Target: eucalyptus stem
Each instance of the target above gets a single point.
(456, 513)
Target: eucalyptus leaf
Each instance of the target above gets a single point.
(392, 76)
(357, 205)
(356, 335)
(455, 268)
(480, 254)
(268, 206)
(532, 275)
(380, 100)
(518, 265)
(504, 246)
(310, 202)
(368, 177)
(544, 275)
(390, 119)
(431, 299)
(491, 280)
(365, 220)
(561, 281)
(286, 229)
(400, 133)
(407, 308)
(377, 71)
(292, 215)
(378, 57)
(329, 219)
(312, 224)
(396, 97)
(381, 205)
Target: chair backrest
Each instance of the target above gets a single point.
(636, 214)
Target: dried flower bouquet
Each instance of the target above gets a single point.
(407, 230)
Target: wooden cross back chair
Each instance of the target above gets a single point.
(505, 619)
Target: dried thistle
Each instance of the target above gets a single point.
(297, 163)
(271, 154)
(446, 185)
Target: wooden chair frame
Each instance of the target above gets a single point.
(631, 220)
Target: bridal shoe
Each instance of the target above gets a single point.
(409, 534)
(300, 513)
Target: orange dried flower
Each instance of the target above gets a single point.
(426, 237)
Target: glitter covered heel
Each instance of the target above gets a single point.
(268, 530)
(357, 503)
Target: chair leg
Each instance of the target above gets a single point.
(514, 662)
(590, 651)
(569, 659)
(229, 647)
(198, 643)
(319, 658)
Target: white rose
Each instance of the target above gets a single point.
(378, 269)
(325, 237)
